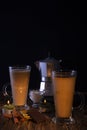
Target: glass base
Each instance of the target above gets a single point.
(67, 121)
(21, 108)
(66, 124)
(35, 105)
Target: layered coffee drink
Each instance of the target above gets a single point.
(19, 83)
(64, 86)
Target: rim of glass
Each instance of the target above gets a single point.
(18, 67)
(64, 72)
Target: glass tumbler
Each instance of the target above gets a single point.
(19, 79)
(63, 88)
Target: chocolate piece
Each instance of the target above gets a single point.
(37, 116)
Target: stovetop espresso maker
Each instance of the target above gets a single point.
(46, 67)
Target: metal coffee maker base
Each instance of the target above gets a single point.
(46, 86)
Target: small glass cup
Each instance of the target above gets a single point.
(63, 89)
(19, 79)
(35, 96)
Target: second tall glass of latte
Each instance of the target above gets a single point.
(64, 87)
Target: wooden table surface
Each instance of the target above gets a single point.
(9, 124)
(50, 124)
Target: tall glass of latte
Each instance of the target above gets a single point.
(19, 78)
(64, 87)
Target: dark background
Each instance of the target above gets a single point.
(28, 34)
